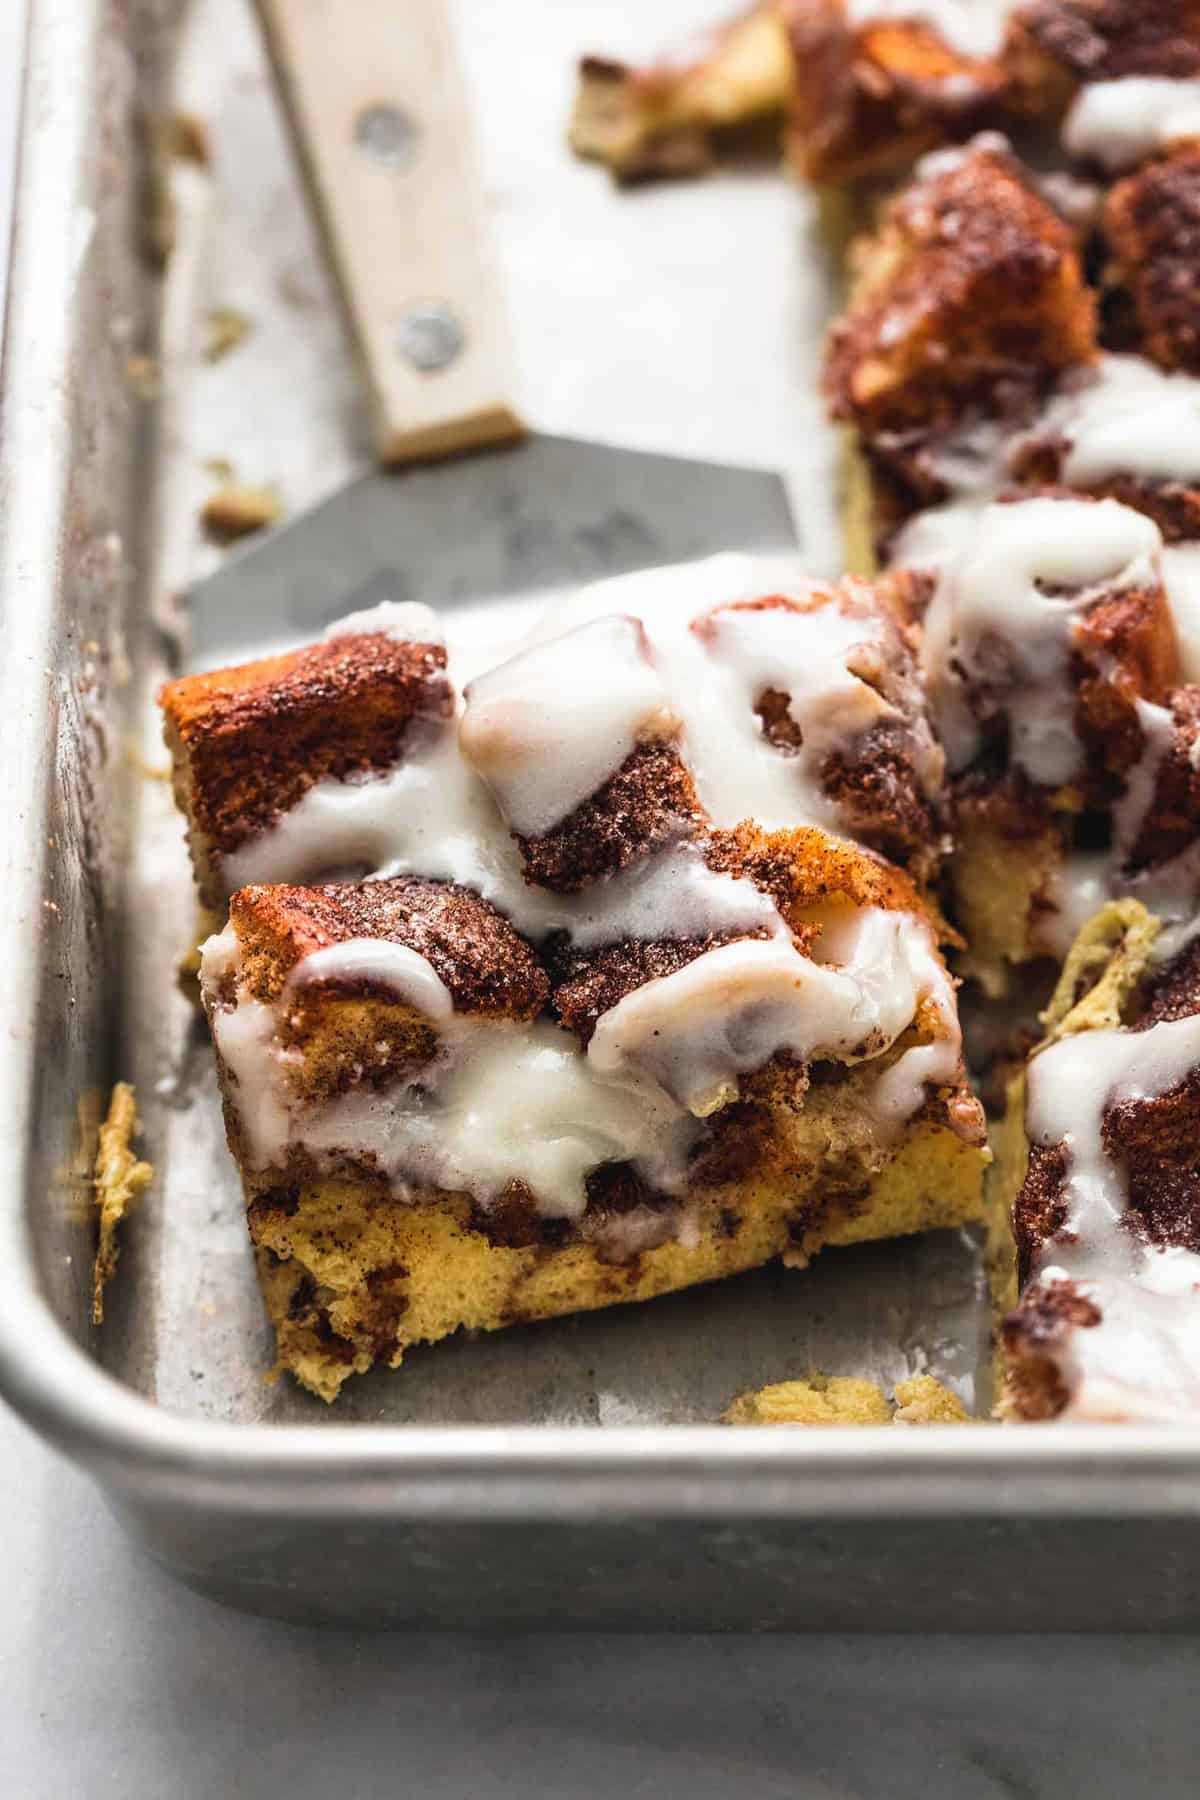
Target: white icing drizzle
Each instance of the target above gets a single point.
(500, 1103)
(432, 815)
(672, 895)
(970, 461)
(507, 1103)
(1127, 417)
(405, 621)
(244, 1036)
(939, 535)
(972, 27)
(732, 1009)
(410, 977)
(1142, 1359)
(548, 727)
(991, 630)
(809, 656)
(1002, 617)
(1117, 123)
(429, 815)
(1121, 417)
(716, 662)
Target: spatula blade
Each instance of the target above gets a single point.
(544, 515)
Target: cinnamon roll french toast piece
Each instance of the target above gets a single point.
(248, 744)
(874, 87)
(1053, 666)
(1117, 209)
(968, 303)
(1103, 1171)
(623, 1005)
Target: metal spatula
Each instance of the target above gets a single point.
(379, 115)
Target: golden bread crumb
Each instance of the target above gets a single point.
(923, 1400)
(234, 512)
(120, 1179)
(848, 1400)
(225, 330)
(821, 1400)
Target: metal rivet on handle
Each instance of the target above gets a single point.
(430, 336)
(388, 134)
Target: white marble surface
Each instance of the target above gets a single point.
(116, 1682)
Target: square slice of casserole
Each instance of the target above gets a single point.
(586, 978)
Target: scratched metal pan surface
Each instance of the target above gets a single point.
(566, 1474)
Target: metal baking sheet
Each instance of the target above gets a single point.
(558, 1474)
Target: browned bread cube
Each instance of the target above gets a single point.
(249, 742)
(968, 302)
(1152, 233)
(1081, 41)
(871, 94)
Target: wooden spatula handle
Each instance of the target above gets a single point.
(378, 110)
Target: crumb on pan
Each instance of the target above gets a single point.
(120, 1179)
(225, 329)
(144, 374)
(847, 1400)
(820, 1400)
(235, 511)
(186, 137)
